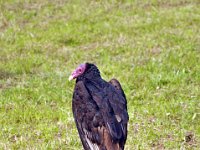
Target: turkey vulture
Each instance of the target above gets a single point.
(99, 109)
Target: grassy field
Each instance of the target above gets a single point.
(152, 47)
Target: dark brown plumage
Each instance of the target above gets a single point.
(100, 110)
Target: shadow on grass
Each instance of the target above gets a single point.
(6, 75)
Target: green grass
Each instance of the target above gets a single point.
(152, 47)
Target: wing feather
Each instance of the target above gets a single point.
(111, 103)
(116, 84)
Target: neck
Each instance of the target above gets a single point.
(91, 74)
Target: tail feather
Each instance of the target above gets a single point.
(108, 142)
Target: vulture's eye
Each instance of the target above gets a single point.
(79, 70)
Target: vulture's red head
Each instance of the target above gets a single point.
(86, 70)
(78, 71)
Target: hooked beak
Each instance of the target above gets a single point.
(71, 77)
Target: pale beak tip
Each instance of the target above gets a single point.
(70, 77)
